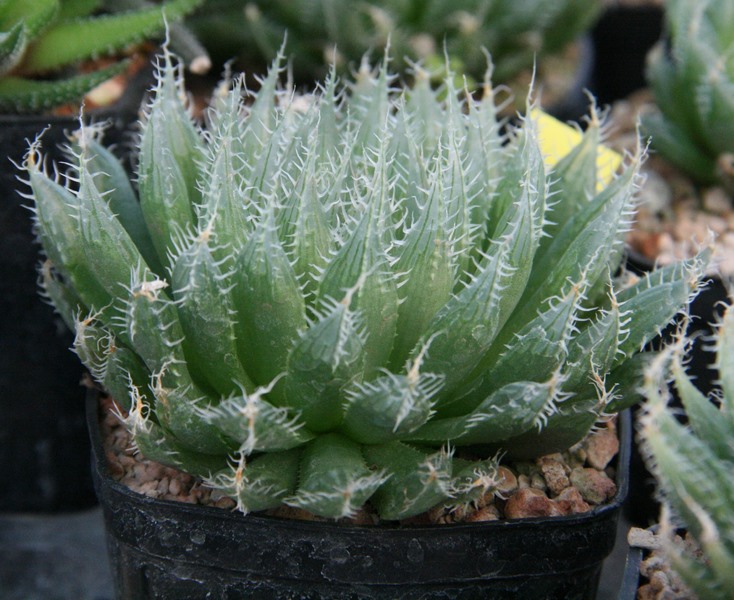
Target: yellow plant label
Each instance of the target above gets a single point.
(558, 139)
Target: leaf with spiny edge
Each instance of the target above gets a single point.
(255, 424)
(416, 479)
(325, 359)
(334, 479)
(534, 354)
(57, 223)
(69, 41)
(202, 294)
(157, 444)
(109, 174)
(651, 302)
(260, 483)
(35, 95)
(363, 258)
(391, 406)
(268, 301)
(468, 323)
(505, 413)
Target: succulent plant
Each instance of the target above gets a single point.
(325, 31)
(692, 78)
(318, 299)
(40, 39)
(694, 463)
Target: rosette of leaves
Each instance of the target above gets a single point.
(324, 31)
(318, 299)
(694, 464)
(691, 75)
(42, 40)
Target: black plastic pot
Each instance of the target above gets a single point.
(44, 444)
(631, 576)
(622, 38)
(168, 550)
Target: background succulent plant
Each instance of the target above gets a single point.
(39, 39)
(694, 463)
(692, 76)
(324, 31)
(318, 298)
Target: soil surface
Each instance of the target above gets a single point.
(675, 217)
(658, 581)
(557, 484)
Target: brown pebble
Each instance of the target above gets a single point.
(529, 502)
(595, 487)
(601, 447)
(507, 481)
(570, 502)
(488, 513)
(554, 472)
(174, 487)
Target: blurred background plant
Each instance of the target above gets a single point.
(55, 51)
(691, 74)
(320, 32)
(693, 462)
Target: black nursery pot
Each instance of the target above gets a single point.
(168, 550)
(44, 444)
(622, 38)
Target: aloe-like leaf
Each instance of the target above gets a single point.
(324, 360)
(171, 152)
(678, 148)
(594, 349)
(334, 479)
(155, 443)
(12, 46)
(559, 431)
(425, 258)
(473, 480)
(725, 358)
(534, 354)
(706, 420)
(310, 241)
(259, 483)
(205, 309)
(652, 301)
(109, 174)
(467, 325)
(60, 294)
(223, 208)
(508, 412)
(684, 462)
(268, 302)
(33, 15)
(391, 406)
(70, 41)
(362, 261)
(574, 181)
(255, 424)
(578, 250)
(57, 219)
(35, 95)
(417, 480)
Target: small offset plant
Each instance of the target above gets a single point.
(692, 77)
(694, 463)
(41, 39)
(324, 31)
(354, 295)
